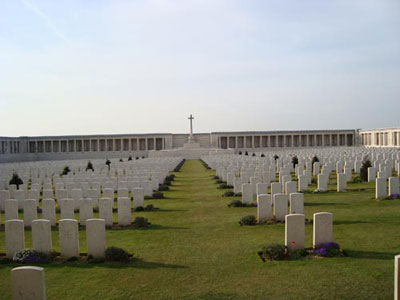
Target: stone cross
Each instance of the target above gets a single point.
(191, 118)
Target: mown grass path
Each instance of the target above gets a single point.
(195, 249)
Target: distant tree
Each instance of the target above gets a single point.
(364, 169)
(137, 158)
(129, 158)
(295, 161)
(89, 166)
(240, 152)
(65, 171)
(276, 157)
(262, 155)
(314, 159)
(246, 153)
(253, 154)
(121, 160)
(16, 180)
(108, 163)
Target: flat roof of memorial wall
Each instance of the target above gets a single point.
(282, 131)
(381, 129)
(198, 133)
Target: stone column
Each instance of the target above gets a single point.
(96, 237)
(294, 232)
(41, 236)
(323, 228)
(14, 236)
(397, 277)
(69, 238)
(28, 283)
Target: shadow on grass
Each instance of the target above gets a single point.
(134, 263)
(142, 264)
(213, 296)
(324, 203)
(151, 227)
(344, 222)
(370, 254)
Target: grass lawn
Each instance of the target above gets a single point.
(195, 249)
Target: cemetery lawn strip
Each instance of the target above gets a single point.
(195, 249)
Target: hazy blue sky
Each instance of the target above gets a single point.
(82, 67)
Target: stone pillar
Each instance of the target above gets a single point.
(28, 283)
(323, 228)
(11, 209)
(393, 186)
(67, 209)
(341, 182)
(380, 188)
(105, 210)
(397, 277)
(280, 206)
(68, 238)
(294, 232)
(49, 211)
(124, 211)
(138, 197)
(14, 236)
(96, 237)
(247, 193)
(264, 208)
(85, 210)
(41, 236)
(296, 203)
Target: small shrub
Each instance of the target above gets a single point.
(274, 252)
(72, 259)
(224, 186)
(129, 158)
(117, 254)
(158, 195)
(235, 203)
(357, 180)
(295, 161)
(240, 153)
(262, 155)
(121, 160)
(141, 222)
(16, 180)
(5, 260)
(298, 254)
(364, 169)
(229, 194)
(253, 154)
(137, 158)
(219, 181)
(65, 171)
(163, 188)
(246, 153)
(93, 260)
(89, 166)
(314, 159)
(215, 177)
(328, 250)
(276, 157)
(139, 208)
(170, 177)
(150, 207)
(30, 256)
(108, 163)
(168, 183)
(248, 220)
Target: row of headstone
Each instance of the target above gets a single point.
(295, 230)
(278, 206)
(67, 209)
(386, 187)
(68, 237)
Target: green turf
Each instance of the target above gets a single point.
(196, 249)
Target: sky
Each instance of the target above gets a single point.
(119, 66)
